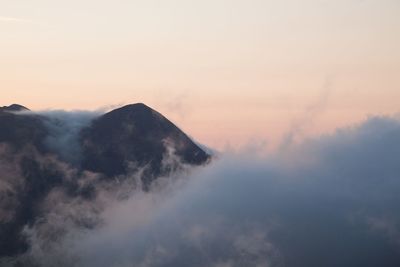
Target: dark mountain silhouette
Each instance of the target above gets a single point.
(14, 107)
(21, 130)
(137, 134)
(116, 143)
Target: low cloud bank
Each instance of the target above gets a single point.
(331, 201)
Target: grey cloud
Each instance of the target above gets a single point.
(330, 201)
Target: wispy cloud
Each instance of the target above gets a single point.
(14, 20)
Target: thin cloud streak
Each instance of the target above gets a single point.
(14, 20)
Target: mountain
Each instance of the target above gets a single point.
(124, 140)
(14, 108)
(20, 130)
(137, 134)
(133, 134)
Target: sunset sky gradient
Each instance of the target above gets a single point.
(228, 72)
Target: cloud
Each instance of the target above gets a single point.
(14, 20)
(330, 201)
(300, 123)
(64, 128)
(174, 103)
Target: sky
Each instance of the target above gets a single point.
(228, 72)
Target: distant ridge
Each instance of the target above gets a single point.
(14, 107)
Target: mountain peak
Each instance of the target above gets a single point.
(138, 115)
(135, 106)
(14, 107)
(135, 133)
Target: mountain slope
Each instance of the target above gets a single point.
(135, 134)
(21, 130)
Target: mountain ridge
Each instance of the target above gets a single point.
(109, 145)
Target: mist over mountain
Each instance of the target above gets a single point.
(85, 189)
(57, 150)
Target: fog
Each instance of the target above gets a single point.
(329, 201)
(64, 128)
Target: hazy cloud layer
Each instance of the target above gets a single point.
(331, 201)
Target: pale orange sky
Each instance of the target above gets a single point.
(227, 72)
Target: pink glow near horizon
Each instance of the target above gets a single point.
(227, 72)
